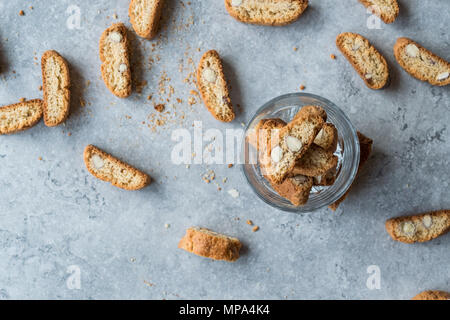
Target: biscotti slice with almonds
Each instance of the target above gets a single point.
(327, 138)
(365, 145)
(386, 10)
(421, 63)
(56, 88)
(115, 60)
(20, 116)
(296, 189)
(315, 162)
(266, 12)
(365, 59)
(213, 87)
(432, 295)
(209, 244)
(419, 228)
(145, 16)
(318, 110)
(110, 169)
(294, 140)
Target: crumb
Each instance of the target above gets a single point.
(255, 228)
(250, 222)
(192, 101)
(159, 107)
(234, 193)
(40, 158)
(230, 165)
(21, 13)
(31, 8)
(40, 88)
(69, 134)
(148, 283)
(115, 16)
(332, 56)
(167, 226)
(149, 97)
(302, 87)
(132, 259)
(22, 99)
(193, 92)
(295, 48)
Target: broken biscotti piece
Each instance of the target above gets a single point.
(432, 295)
(386, 10)
(367, 61)
(315, 162)
(266, 12)
(107, 168)
(421, 63)
(294, 140)
(327, 138)
(365, 145)
(145, 16)
(56, 87)
(115, 60)
(206, 243)
(20, 116)
(419, 228)
(213, 86)
(296, 189)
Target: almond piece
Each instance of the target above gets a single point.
(293, 144)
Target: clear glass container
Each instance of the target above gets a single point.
(285, 107)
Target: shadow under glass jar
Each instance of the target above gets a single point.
(285, 107)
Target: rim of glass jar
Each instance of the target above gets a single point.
(331, 197)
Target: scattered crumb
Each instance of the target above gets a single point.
(40, 158)
(40, 88)
(167, 226)
(149, 97)
(31, 7)
(132, 259)
(69, 134)
(332, 56)
(230, 165)
(295, 48)
(255, 228)
(302, 87)
(115, 16)
(21, 13)
(22, 100)
(234, 193)
(149, 283)
(159, 107)
(250, 222)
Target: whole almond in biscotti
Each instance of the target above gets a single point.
(266, 12)
(365, 145)
(421, 63)
(20, 116)
(315, 162)
(432, 295)
(209, 244)
(294, 140)
(367, 61)
(56, 88)
(296, 189)
(419, 228)
(108, 168)
(213, 86)
(145, 16)
(114, 55)
(386, 10)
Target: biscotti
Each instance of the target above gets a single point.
(327, 138)
(432, 295)
(365, 145)
(115, 60)
(386, 10)
(326, 179)
(20, 116)
(419, 228)
(206, 243)
(315, 162)
(108, 168)
(421, 63)
(213, 87)
(145, 16)
(266, 12)
(318, 110)
(294, 140)
(296, 189)
(367, 61)
(56, 88)
(262, 131)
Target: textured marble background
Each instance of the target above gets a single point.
(56, 218)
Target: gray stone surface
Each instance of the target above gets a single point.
(55, 215)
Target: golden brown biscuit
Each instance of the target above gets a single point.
(20, 116)
(56, 87)
(432, 295)
(108, 168)
(296, 189)
(145, 16)
(209, 244)
(421, 63)
(315, 162)
(386, 10)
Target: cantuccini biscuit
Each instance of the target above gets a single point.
(56, 88)
(421, 63)
(296, 189)
(114, 54)
(213, 86)
(367, 61)
(262, 131)
(145, 16)
(327, 138)
(315, 162)
(432, 295)
(266, 12)
(419, 228)
(365, 145)
(20, 116)
(108, 168)
(318, 110)
(294, 140)
(206, 243)
(386, 10)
